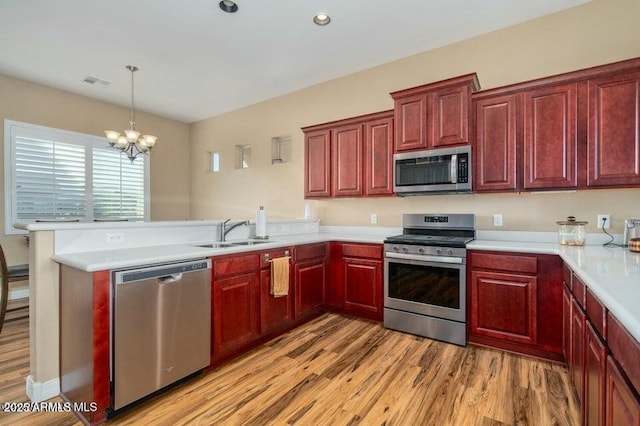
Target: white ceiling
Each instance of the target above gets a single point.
(196, 61)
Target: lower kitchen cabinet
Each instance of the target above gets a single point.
(595, 367)
(310, 277)
(235, 303)
(276, 313)
(576, 364)
(515, 302)
(356, 284)
(622, 405)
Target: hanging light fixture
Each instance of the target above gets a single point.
(131, 143)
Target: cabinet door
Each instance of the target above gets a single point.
(276, 313)
(495, 144)
(363, 286)
(576, 366)
(566, 324)
(346, 153)
(595, 366)
(550, 137)
(236, 312)
(317, 161)
(310, 281)
(504, 306)
(451, 116)
(412, 130)
(622, 406)
(378, 158)
(614, 131)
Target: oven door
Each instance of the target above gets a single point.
(427, 285)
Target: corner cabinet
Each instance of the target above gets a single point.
(434, 115)
(350, 158)
(515, 302)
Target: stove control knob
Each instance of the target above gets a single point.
(395, 248)
(438, 251)
(449, 252)
(421, 250)
(405, 249)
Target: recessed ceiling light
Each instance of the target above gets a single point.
(321, 19)
(228, 6)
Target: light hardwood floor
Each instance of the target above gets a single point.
(338, 371)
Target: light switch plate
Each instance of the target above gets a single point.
(374, 218)
(497, 220)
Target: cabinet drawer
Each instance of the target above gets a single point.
(309, 251)
(266, 256)
(625, 349)
(362, 250)
(579, 290)
(505, 262)
(233, 265)
(597, 314)
(566, 275)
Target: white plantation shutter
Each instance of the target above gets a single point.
(118, 185)
(50, 179)
(53, 174)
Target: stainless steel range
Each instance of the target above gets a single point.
(425, 276)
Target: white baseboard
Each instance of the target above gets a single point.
(22, 293)
(41, 391)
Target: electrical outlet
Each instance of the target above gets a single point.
(606, 218)
(497, 220)
(115, 237)
(374, 218)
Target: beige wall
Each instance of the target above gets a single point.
(599, 32)
(36, 104)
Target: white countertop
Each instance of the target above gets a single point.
(612, 274)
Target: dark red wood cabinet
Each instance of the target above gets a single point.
(350, 158)
(276, 313)
(622, 404)
(347, 156)
(595, 367)
(434, 115)
(317, 163)
(235, 303)
(310, 276)
(496, 144)
(614, 130)
(550, 137)
(356, 284)
(515, 302)
(576, 364)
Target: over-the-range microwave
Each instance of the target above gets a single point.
(445, 170)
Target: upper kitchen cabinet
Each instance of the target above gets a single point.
(317, 177)
(350, 158)
(614, 130)
(550, 137)
(434, 115)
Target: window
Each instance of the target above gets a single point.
(52, 174)
(243, 156)
(214, 163)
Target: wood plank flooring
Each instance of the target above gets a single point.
(338, 371)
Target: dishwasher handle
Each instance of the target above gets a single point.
(168, 279)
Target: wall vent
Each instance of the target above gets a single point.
(95, 81)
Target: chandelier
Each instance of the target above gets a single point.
(131, 143)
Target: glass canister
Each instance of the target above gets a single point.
(571, 232)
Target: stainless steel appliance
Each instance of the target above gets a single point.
(161, 327)
(443, 170)
(425, 276)
(631, 230)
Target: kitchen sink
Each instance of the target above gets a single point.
(226, 244)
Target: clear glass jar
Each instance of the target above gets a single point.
(572, 232)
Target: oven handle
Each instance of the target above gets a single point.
(424, 258)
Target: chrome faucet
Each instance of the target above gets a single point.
(224, 230)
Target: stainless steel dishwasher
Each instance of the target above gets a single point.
(161, 327)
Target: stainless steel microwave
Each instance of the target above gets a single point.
(444, 170)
